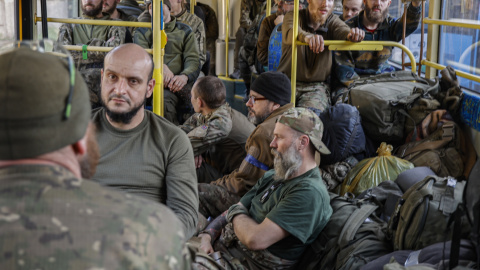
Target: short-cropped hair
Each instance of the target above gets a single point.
(211, 90)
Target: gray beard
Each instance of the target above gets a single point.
(286, 164)
(256, 119)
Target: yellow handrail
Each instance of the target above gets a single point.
(339, 45)
(458, 72)
(97, 22)
(95, 48)
(457, 23)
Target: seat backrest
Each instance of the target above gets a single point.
(275, 48)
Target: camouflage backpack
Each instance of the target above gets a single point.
(421, 215)
(353, 237)
(386, 101)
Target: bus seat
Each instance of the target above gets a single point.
(275, 48)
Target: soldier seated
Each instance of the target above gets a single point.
(92, 35)
(217, 132)
(181, 62)
(271, 227)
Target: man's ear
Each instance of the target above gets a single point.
(275, 106)
(150, 86)
(80, 147)
(304, 141)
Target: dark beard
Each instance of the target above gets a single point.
(125, 117)
(111, 10)
(94, 12)
(375, 18)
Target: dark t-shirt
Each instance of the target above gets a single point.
(300, 206)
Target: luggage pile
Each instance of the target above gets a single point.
(414, 206)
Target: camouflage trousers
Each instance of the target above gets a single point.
(314, 95)
(214, 200)
(177, 104)
(230, 247)
(92, 76)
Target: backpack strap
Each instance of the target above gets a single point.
(448, 134)
(415, 197)
(354, 222)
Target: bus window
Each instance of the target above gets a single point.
(7, 20)
(413, 41)
(57, 9)
(459, 47)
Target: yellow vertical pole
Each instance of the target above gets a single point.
(433, 36)
(159, 41)
(293, 76)
(227, 34)
(269, 8)
(20, 19)
(192, 6)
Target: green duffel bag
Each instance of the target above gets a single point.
(385, 101)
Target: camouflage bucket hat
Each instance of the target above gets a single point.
(44, 102)
(305, 121)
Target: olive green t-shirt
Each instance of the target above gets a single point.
(153, 160)
(301, 206)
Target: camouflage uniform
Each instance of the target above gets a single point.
(220, 138)
(211, 33)
(351, 64)
(91, 35)
(217, 196)
(313, 70)
(181, 57)
(249, 11)
(50, 219)
(198, 29)
(130, 7)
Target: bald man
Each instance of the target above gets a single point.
(140, 152)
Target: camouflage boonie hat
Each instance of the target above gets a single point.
(305, 121)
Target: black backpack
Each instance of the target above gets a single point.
(353, 237)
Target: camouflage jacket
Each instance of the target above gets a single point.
(250, 9)
(220, 136)
(198, 29)
(50, 219)
(92, 35)
(181, 51)
(259, 157)
(351, 64)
